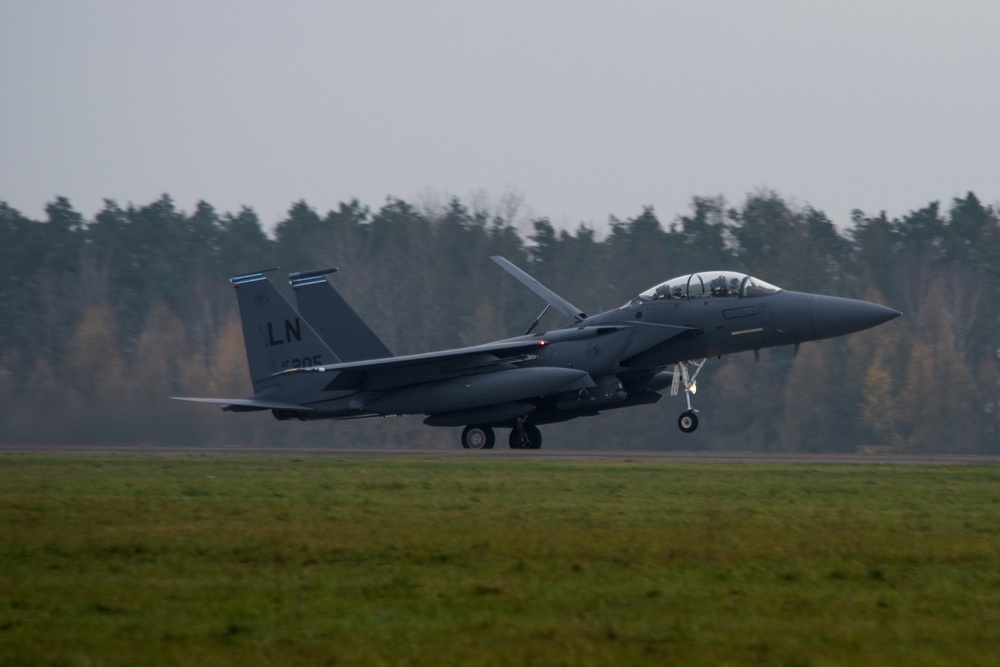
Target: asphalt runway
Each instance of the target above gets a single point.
(504, 453)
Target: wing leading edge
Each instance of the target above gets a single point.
(394, 372)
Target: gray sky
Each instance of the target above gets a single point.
(583, 108)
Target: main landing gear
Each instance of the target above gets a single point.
(477, 436)
(688, 421)
(522, 436)
(525, 436)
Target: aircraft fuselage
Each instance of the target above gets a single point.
(323, 362)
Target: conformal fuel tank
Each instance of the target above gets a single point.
(475, 390)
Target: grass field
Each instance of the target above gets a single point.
(224, 561)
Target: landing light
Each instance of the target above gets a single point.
(693, 387)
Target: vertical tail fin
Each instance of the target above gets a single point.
(336, 322)
(277, 337)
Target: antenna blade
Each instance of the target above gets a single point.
(537, 320)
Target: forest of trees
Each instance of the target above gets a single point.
(104, 319)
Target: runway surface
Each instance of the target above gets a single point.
(544, 454)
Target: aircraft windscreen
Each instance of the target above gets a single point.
(709, 284)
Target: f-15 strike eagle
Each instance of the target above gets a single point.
(321, 361)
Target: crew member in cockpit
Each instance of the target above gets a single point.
(719, 286)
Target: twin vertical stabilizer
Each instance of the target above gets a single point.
(334, 319)
(277, 337)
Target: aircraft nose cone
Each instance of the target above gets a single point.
(834, 316)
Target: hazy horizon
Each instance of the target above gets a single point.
(581, 109)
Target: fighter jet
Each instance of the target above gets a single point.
(322, 361)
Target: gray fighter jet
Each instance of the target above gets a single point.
(321, 361)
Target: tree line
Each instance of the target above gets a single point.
(105, 318)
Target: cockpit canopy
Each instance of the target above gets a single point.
(709, 284)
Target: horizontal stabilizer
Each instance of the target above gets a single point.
(245, 404)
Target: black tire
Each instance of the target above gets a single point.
(688, 421)
(515, 442)
(478, 436)
(532, 438)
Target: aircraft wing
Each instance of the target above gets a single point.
(381, 374)
(550, 297)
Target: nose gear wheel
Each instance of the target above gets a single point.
(688, 421)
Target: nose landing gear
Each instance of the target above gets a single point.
(688, 421)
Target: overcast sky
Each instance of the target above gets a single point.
(584, 109)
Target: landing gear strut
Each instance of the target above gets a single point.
(525, 436)
(478, 436)
(688, 421)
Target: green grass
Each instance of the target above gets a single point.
(217, 561)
